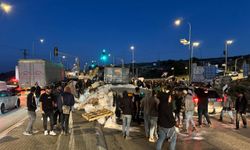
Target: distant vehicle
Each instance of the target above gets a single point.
(116, 75)
(3, 86)
(31, 71)
(214, 99)
(234, 74)
(8, 100)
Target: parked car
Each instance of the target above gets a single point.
(214, 99)
(8, 100)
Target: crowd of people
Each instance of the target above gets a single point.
(164, 109)
(55, 105)
(167, 110)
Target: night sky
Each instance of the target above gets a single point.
(84, 27)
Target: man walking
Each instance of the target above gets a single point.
(127, 110)
(202, 94)
(227, 107)
(166, 121)
(47, 106)
(240, 107)
(189, 109)
(153, 116)
(31, 104)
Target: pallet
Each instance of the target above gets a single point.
(92, 116)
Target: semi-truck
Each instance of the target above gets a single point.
(41, 71)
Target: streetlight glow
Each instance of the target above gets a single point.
(132, 47)
(229, 42)
(177, 22)
(196, 44)
(41, 40)
(6, 7)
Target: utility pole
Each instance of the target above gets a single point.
(24, 51)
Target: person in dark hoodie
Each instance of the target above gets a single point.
(241, 107)
(166, 121)
(65, 107)
(31, 104)
(127, 110)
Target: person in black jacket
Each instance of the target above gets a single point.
(37, 93)
(240, 107)
(68, 102)
(166, 120)
(47, 103)
(202, 94)
(127, 110)
(31, 104)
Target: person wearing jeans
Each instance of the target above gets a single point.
(47, 106)
(126, 120)
(227, 107)
(168, 133)
(31, 104)
(189, 109)
(127, 110)
(153, 129)
(166, 121)
(67, 99)
(150, 107)
(45, 115)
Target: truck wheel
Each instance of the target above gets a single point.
(2, 108)
(18, 103)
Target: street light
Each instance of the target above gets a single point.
(178, 22)
(5, 7)
(227, 43)
(132, 48)
(41, 40)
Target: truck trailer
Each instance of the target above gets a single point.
(41, 71)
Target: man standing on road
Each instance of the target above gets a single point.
(31, 104)
(166, 121)
(47, 106)
(240, 107)
(189, 109)
(153, 116)
(127, 110)
(137, 103)
(202, 94)
(37, 93)
(227, 107)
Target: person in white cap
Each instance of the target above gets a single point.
(189, 109)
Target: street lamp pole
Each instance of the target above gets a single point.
(228, 42)
(133, 60)
(194, 44)
(189, 43)
(191, 51)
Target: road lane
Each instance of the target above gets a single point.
(12, 117)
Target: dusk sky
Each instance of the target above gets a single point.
(84, 27)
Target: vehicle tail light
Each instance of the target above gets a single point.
(195, 99)
(219, 99)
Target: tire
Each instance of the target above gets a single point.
(18, 103)
(2, 108)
